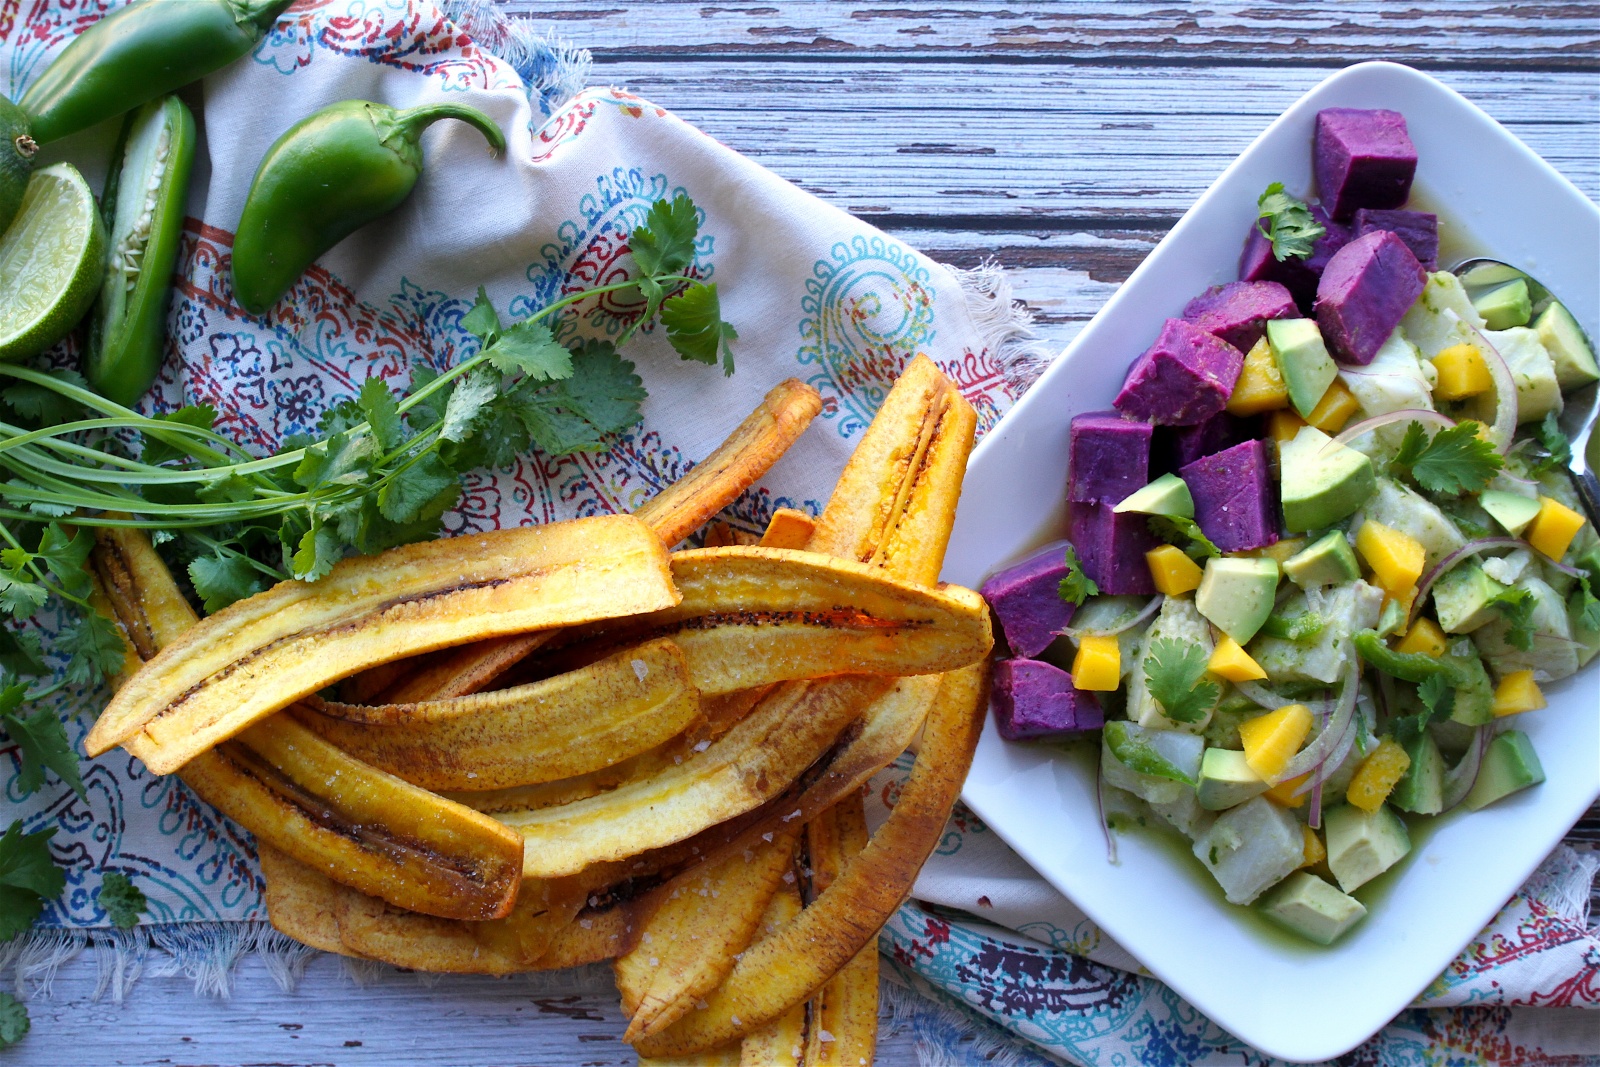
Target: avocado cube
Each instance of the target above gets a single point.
(1569, 349)
(1362, 846)
(1464, 598)
(1167, 495)
(1421, 791)
(1237, 594)
(1511, 510)
(1509, 766)
(1303, 360)
(1310, 907)
(1226, 780)
(1392, 619)
(1505, 306)
(1321, 482)
(1251, 848)
(1474, 691)
(1329, 560)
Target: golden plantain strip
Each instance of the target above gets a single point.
(782, 1042)
(779, 972)
(543, 910)
(263, 653)
(302, 903)
(687, 944)
(725, 535)
(373, 928)
(788, 528)
(844, 1012)
(727, 1056)
(674, 513)
(572, 724)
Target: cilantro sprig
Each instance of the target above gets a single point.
(1186, 534)
(1454, 461)
(1175, 674)
(1516, 606)
(123, 901)
(1287, 222)
(1438, 698)
(1077, 586)
(1555, 451)
(28, 878)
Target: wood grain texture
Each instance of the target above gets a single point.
(1330, 32)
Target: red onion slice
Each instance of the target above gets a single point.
(1377, 422)
(1313, 755)
(1314, 818)
(1504, 426)
(1440, 569)
(1330, 766)
(1266, 698)
(1143, 614)
(1100, 808)
(1459, 780)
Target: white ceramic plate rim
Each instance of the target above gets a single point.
(1297, 1005)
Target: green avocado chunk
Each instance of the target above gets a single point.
(1362, 846)
(1226, 780)
(1464, 598)
(1321, 482)
(1505, 307)
(1329, 560)
(1422, 789)
(1306, 905)
(1167, 495)
(1509, 766)
(1236, 594)
(1511, 510)
(1303, 361)
(1569, 350)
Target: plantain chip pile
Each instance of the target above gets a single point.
(549, 746)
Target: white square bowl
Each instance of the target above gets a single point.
(1495, 197)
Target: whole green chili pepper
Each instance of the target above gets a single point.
(1409, 666)
(138, 53)
(331, 173)
(144, 208)
(17, 150)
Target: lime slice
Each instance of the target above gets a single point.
(51, 261)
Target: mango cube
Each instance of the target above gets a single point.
(1395, 558)
(1377, 776)
(1316, 851)
(1278, 550)
(1260, 386)
(1283, 794)
(1271, 740)
(1098, 664)
(1553, 529)
(1173, 572)
(1424, 637)
(1232, 662)
(1284, 425)
(1516, 693)
(1462, 373)
(1334, 409)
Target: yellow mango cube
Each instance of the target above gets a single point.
(1232, 662)
(1395, 558)
(1425, 637)
(1173, 572)
(1334, 409)
(1462, 373)
(1278, 550)
(1283, 425)
(1260, 386)
(1516, 693)
(1377, 776)
(1316, 851)
(1098, 664)
(1553, 529)
(1282, 794)
(1271, 740)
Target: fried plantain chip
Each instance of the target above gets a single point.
(727, 1056)
(782, 1042)
(788, 528)
(302, 903)
(572, 724)
(263, 653)
(543, 910)
(844, 1012)
(786, 968)
(378, 930)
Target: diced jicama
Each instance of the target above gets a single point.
(1109, 457)
(1399, 508)
(1365, 292)
(1027, 600)
(1418, 229)
(1362, 159)
(1035, 701)
(1251, 848)
(1238, 311)
(1441, 315)
(1553, 655)
(1235, 500)
(1111, 547)
(1184, 378)
(1538, 391)
(1395, 380)
(1343, 610)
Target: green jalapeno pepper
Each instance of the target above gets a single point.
(144, 208)
(138, 53)
(330, 174)
(1409, 666)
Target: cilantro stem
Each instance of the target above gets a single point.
(39, 574)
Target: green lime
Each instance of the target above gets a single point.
(52, 259)
(16, 159)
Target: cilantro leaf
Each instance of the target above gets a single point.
(20, 652)
(665, 243)
(1290, 226)
(471, 395)
(13, 1020)
(20, 596)
(1174, 672)
(37, 405)
(28, 877)
(1585, 605)
(1557, 449)
(1077, 586)
(122, 900)
(379, 407)
(1185, 533)
(483, 321)
(41, 743)
(1516, 606)
(67, 558)
(556, 430)
(232, 488)
(530, 348)
(603, 388)
(695, 328)
(1455, 461)
(1438, 696)
(156, 450)
(96, 646)
(319, 549)
(411, 490)
(222, 578)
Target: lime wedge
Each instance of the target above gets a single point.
(51, 261)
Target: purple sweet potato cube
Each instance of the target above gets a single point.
(1111, 548)
(1365, 292)
(1238, 311)
(1299, 276)
(1034, 701)
(1418, 229)
(1109, 457)
(1234, 498)
(1362, 159)
(1027, 599)
(1175, 447)
(1184, 378)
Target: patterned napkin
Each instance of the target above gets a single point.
(814, 294)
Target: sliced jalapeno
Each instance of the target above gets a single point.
(144, 208)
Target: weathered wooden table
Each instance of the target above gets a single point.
(1063, 139)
